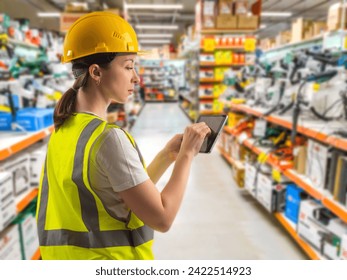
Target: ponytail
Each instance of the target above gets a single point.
(66, 106)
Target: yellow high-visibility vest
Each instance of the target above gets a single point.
(72, 221)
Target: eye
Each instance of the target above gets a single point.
(129, 68)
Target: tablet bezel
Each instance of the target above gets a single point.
(221, 126)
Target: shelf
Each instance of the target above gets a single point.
(311, 128)
(292, 231)
(301, 181)
(229, 159)
(210, 112)
(37, 255)
(207, 97)
(228, 31)
(14, 142)
(23, 200)
(231, 48)
(212, 64)
(210, 80)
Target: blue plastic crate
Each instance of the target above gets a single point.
(293, 198)
(33, 119)
(5, 121)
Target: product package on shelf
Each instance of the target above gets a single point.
(294, 195)
(19, 167)
(307, 227)
(37, 158)
(28, 231)
(10, 244)
(270, 193)
(251, 178)
(317, 164)
(7, 202)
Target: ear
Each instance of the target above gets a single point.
(95, 72)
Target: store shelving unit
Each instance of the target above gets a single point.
(237, 46)
(307, 129)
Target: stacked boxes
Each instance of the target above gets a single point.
(10, 244)
(18, 166)
(251, 178)
(27, 228)
(7, 203)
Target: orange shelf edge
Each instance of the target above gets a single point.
(335, 208)
(307, 248)
(37, 255)
(15, 148)
(312, 191)
(26, 200)
(226, 156)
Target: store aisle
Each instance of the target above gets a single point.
(216, 220)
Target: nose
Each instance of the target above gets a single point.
(136, 78)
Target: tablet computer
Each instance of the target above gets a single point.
(216, 124)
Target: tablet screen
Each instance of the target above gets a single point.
(216, 124)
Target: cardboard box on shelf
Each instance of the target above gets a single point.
(308, 228)
(18, 166)
(334, 18)
(240, 7)
(225, 7)
(319, 27)
(283, 38)
(7, 202)
(343, 254)
(300, 26)
(270, 194)
(209, 8)
(251, 178)
(247, 22)
(238, 171)
(300, 158)
(208, 21)
(318, 156)
(10, 244)
(226, 21)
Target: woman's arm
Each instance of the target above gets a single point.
(164, 158)
(158, 210)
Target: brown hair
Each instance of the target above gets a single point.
(66, 106)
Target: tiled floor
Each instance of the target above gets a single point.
(217, 220)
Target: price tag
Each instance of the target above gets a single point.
(250, 44)
(276, 175)
(209, 44)
(316, 87)
(262, 157)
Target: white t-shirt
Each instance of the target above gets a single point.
(115, 166)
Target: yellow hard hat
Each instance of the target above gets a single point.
(99, 32)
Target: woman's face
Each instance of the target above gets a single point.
(118, 81)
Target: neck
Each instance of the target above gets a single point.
(92, 100)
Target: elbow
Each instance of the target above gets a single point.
(163, 226)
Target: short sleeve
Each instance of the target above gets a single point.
(119, 161)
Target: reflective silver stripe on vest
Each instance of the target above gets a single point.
(94, 238)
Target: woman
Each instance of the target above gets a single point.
(97, 199)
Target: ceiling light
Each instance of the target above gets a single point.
(154, 41)
(154, 6)
(53, 14)
(276, 14)
(262, 26)
(156, 35)
(144, 26)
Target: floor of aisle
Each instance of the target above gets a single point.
(216, 220)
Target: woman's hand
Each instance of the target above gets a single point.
(193, 137)
(172, 147)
